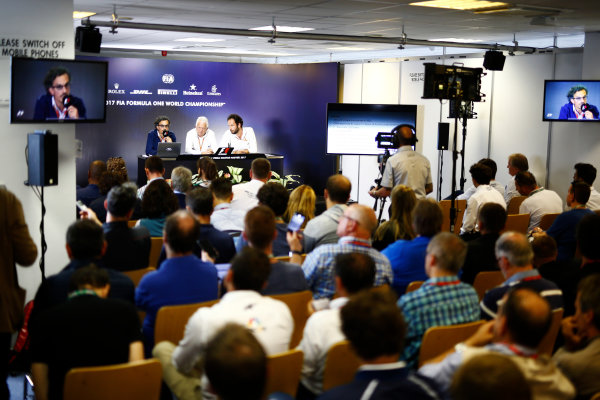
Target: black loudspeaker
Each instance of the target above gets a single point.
(88, 39)
(42, 159)
(443, 135)
(494, 60)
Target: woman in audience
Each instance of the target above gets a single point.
(399, 226)
(158, 203)
(117, 166)
(108, 179)
(207, 171)
(302, 200)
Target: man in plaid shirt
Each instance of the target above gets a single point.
(354, 229)
(442, 299)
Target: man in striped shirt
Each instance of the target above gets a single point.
(515, 257)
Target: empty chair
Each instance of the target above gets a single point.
(298, 305)
(547, 220)
(284, 372)
(486, 280)
(138, 380)
(439, 339)
(137, 274)
(513, 205)
(156, 244)
(547, 344)
(340, 366)
(171, 320)
(517, 223)
(461, 205)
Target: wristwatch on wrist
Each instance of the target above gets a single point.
(292, 252)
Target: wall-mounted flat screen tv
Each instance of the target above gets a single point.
(574, 100)
(56, 91)
(352, 128)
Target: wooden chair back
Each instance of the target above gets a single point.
(439, 339)
(298, 304)
(596, 396)
(486, 280)
(414, 285)
(547, 344)
(137, 274)
(461, 205)
(131, 223)
(547, 220)
(513, 205)
(283, 372)
(138, 380)
(340, 366)
(517, 223)
(171, 320)
(156, 244)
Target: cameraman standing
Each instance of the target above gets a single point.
(406, 167)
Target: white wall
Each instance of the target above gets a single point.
(53, 21)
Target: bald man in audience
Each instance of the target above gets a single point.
(355, 229)
(517, 331)
(91, 192)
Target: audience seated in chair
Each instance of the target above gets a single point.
(87, 330)
(91, 192)
(181, 183)
(442, 299)
(158, 203)
(375, 328)
(587, 173)
(353, 272)
(517, 162)
(539, 200)
(244, 194)
(519, 327)
(154, 169)
(225, 218)
(399, 227)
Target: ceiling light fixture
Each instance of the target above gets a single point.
(282, 28)
(82, 14)
(468, 5)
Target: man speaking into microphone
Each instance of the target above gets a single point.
(578, 107)
(58, 103)
(160, 134)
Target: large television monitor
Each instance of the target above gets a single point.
(352, 128)
(572, 100)
(57, 91)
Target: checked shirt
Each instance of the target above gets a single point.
(438, 302)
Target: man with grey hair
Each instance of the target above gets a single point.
(200, 140)
(515, 260)
(181, 182)
(442, 299)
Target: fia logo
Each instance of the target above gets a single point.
(116, 85)
(168, 78)
(213, 89)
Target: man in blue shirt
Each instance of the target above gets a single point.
(578, 107)
(160, 134)
(442, 299)
(58, 103)
(408, 256)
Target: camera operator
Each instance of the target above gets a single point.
(406, 167)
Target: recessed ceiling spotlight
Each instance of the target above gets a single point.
(82, 14)
(462, 4)
(282, 28)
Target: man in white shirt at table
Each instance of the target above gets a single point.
(200, 140)
(241, 138)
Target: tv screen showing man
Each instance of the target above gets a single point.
(58, 102)
(581, 99)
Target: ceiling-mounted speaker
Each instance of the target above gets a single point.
(494, 60)
(88, 39)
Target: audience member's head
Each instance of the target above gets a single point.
(154, 164)
(356, 271)
(121, 199)
(490, 163)
(260, 169)
(274, 196)
(95, 171)
(207, 168)
(525, 182)
(374, 325)
(259, 227)
(200, 201)
(427, 218)
(358, 221)
(250, 269)
(588, 236)
(221, 189)
(489, 376)
(159, 200)
(544, 249)
(587, 314)
(90, 277)
(181, 232)
(117, 166)
(337, 189)
(492, 218)
(181, 179)
(403, 202)
(85, 240)
(524, 318)
(108, 180)
(585, 172)
(302, 200)
(579, 193)
(513, 250)
(235, 364)
(481, 173)
(517, 162)
(446, 252)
